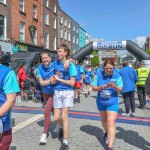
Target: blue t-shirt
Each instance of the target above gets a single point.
(45, 73)
(108, 96)
(9, 86)
(129, 77)
(79, 73)
(64, 74)
(88, 77)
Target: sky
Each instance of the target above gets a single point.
(111, 20)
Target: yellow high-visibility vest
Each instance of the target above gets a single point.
(142, 75)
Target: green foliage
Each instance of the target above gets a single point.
(95, 60)
(148, 51)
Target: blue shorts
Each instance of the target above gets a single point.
(114, 107)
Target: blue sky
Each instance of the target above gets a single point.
(110, 19)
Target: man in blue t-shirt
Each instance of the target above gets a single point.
(129, 77)
(8, 88)
(78, 80)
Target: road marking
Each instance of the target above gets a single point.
(26, 123)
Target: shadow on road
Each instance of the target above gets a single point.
(94, 131)
(132, 138)
(52, 126)
(12, 148)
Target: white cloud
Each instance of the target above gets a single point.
(140, 40)
(97, 39)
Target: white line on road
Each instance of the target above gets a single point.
(26, 123)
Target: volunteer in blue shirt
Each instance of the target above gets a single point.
(64, 91)
(108, 83)
(129, 77)
(8, 88)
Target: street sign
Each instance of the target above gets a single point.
(15, 49)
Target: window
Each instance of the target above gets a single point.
(65, 35)
(34, 12)
(65, 22)
(54, 23)
(73, 39)
(61, 19)
(77, 41)
(54, 43)
(54, 8)
(47, 3)
(22, 5)
(47, 19)
(61, 33)
(35, 37)
(69, 37)
(77, 30)
(22, 31)
(46, 40)
(73, 28)
(2, 26)
(69, 25)
(3, 1)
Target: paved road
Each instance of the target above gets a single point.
(85, 129)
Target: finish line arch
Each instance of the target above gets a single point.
(132, 47)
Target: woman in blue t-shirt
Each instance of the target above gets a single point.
(108, 83)
(45, 71)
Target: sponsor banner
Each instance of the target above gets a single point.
(109, 45)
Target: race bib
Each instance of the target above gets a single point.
(105, 94)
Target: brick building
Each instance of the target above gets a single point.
(50, 23)
(5, 20)
(64, 28)
(26, 21)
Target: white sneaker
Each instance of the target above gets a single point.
(43, 139)
(133, 114)
(124, 114)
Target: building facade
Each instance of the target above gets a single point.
(26, 21)
(5, 20)
(64, 35)
(82, 37)
(50, 10)
(74, 36)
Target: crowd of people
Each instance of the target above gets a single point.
(62, 82)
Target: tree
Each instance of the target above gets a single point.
(148, 51)
(95, 59)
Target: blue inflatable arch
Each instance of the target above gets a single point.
(132, 47)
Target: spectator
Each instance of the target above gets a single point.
(8, 89)
(142, 72)
(147, 87)
(129, 77)
(22, 77)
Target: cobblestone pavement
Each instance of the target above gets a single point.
(85, 128)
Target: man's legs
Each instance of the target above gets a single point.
(132, 101)
(140, 91)
(126, 102)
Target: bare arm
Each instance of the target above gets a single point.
(98, 88)
(46, 82)
(10, 101)
(70, 82)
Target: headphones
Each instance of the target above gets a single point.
(105, 75)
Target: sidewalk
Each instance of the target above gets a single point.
(85, 128)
